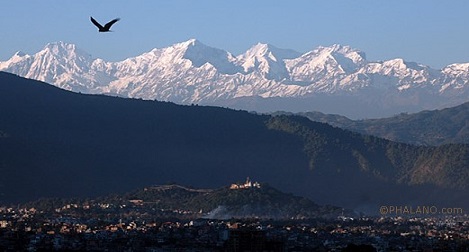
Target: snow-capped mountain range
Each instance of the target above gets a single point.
(335, 79)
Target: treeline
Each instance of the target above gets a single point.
(437, 127)
(331, 150)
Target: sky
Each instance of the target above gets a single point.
(430, 32)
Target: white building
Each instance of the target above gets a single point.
(247, 184)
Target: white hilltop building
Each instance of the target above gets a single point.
(248, 184)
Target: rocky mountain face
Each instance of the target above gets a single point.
(336, 79)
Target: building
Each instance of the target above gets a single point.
(246, 185)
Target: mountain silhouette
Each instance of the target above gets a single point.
(55, 143)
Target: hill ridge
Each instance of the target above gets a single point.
(62, 143)
(174, 201)
(430, 127)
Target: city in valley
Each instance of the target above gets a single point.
(137, 225)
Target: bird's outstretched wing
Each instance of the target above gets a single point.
(110, 23)
(97, 24)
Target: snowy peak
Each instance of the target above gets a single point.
(19, 54)
(60, 47)
(59, 62)
(456, 76)
(61, 50)
(267, 60)
(269, 51)
(191, 53)
(356, 56)
(200, 54)
(192, 72)
(188, 43)
(408, 74)
(17, 58)
(63, 57)
(343, 58)
(464, 67)
(328, 65)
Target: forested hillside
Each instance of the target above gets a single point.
(436, 127)
(63, 144)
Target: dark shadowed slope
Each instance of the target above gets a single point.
(58, 143)
(436, 127)
(62, 143)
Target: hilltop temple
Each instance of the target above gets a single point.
(248, 184)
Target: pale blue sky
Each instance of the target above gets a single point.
(435, 33)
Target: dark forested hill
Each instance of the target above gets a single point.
(436, 127)
(55, 143)
(176, 201)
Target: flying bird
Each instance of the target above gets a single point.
(106, 27)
